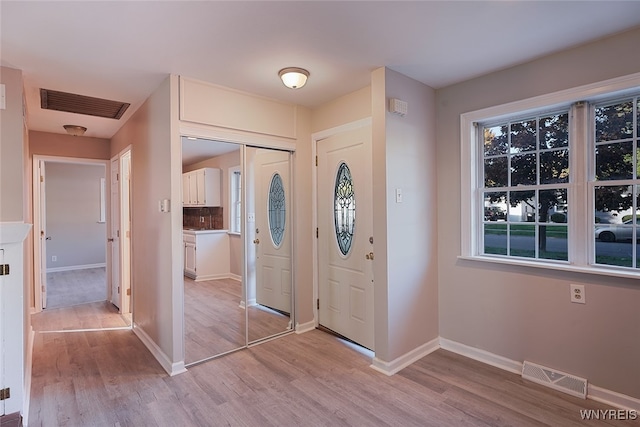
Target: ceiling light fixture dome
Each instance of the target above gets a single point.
(75, 130)
(293, 77)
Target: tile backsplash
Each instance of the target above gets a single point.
(213, 219)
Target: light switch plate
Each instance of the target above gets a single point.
(3, 97)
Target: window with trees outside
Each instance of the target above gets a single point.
(556, 187)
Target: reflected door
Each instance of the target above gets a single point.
(345, 239)
(273, 240)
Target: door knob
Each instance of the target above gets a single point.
(256, 241)
(369, 255)
(110, 239)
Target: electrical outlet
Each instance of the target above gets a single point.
(54, 258)
(577, 294)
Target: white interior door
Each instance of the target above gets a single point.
(43, 234)
(3, 345)
(345, 237)
(125, 224)
(114, 239)
(273, 228)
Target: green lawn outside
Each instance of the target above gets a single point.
(525, 230)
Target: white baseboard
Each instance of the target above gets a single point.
(396, 365)
(210, 277)
(482, 356)
(235, 277)
(76, 267)
(599, 394)
(612, 398)
(172, 368)
(301, 328)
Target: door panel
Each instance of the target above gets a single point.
(43, 236)
(273, 211)
(115, 233)
(345, 270)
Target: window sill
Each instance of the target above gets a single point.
(234, 233)
(553, 266)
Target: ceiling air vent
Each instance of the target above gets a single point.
(80, 104)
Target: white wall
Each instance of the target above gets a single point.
(405, 234)
(156, 174)
(73, 214)
(524, 313)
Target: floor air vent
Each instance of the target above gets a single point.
(561, 381)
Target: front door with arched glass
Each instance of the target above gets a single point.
(345, 238)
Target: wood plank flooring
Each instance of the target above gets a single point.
(108, 378)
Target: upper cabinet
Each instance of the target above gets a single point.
(201, 187)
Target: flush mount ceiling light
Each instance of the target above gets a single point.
(293, 77)
(75, 130)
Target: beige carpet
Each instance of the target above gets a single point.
(68, 288)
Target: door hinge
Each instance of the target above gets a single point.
(318, 304)
(118, 233)
(5, 393)
(118, 289)
(4, 270)
(129, 292)
(316, 160)
(117, 177)
(41, 178)
(42, 289)
(317, 232)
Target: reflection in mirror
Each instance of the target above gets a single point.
(269, 221)
(214, 316)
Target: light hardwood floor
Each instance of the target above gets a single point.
(108, 378)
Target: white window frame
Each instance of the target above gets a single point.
(580, 161)
(235, 197)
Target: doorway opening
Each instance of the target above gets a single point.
(72, 265)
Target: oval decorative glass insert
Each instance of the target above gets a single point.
(344, 213)
(277, 209)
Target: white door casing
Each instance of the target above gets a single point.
(273, 238)
(42, 233)
(114, 239)
(345, 280)
(3, 344)
(125, 226)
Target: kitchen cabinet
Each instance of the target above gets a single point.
(201, 187)
(206, 254)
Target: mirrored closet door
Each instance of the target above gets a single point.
(214, 314)
(237, 237)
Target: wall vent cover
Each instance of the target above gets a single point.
(557, 380)
(80, 104)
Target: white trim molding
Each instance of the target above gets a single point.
(172, 368)
(301, 328)
(398, 364)
(599, 394)
(76, 267)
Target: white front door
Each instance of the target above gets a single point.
(273, 229)
(345, 235)
(114, 239)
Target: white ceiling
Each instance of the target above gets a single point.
(122, 50)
